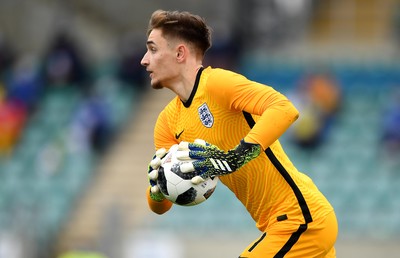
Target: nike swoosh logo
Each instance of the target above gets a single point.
(178, 135)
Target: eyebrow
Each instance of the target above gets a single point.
(150, 42)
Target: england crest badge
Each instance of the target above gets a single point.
(205, 116)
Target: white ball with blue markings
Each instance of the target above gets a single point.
(177, 186)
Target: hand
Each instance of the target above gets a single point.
(153, 167)
(211, 161)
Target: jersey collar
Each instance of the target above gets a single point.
(196, 85)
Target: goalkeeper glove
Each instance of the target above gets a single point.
(152, 174)
(211, 161)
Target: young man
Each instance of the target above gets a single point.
(239, 122)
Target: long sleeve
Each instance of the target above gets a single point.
(158, 207)
(274, 119)
(162, 139)
(276, 113)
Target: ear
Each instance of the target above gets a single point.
(181, 53)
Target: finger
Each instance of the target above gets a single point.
(201, 142)
(153, 175)
(196, 147)
(182, 155)
(197, 180)
(155, 189)
(183, 146)
(197, 154)
(160, 153)
(188, 155)
(187, 167)
(155, 163)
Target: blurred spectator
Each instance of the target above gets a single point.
(12, 120)
(318, 98)
(64, 63)
(91, 126)
(129, 69)
(391, 128)
(24, 85)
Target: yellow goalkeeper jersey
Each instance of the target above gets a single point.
(225, 107)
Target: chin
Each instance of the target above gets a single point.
(156, 85)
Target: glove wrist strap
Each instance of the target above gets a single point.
(158, 197)
(252, 150)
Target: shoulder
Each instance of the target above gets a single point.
(219, 74)
(226, 84)
(219, 81)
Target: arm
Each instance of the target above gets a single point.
(159, 207)
(235, 92)
(274, 119)
(156, 201)
(276, 112)
(163, 137)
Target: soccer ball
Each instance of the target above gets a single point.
(177, 187)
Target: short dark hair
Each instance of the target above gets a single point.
(184, 25)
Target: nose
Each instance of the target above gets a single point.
(145, 60)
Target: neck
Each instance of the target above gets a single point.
(183, 88)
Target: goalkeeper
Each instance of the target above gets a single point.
(239, 122)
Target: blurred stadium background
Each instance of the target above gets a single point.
(76, 121)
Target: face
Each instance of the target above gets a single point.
(160, 60)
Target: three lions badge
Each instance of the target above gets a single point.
(205, 116)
